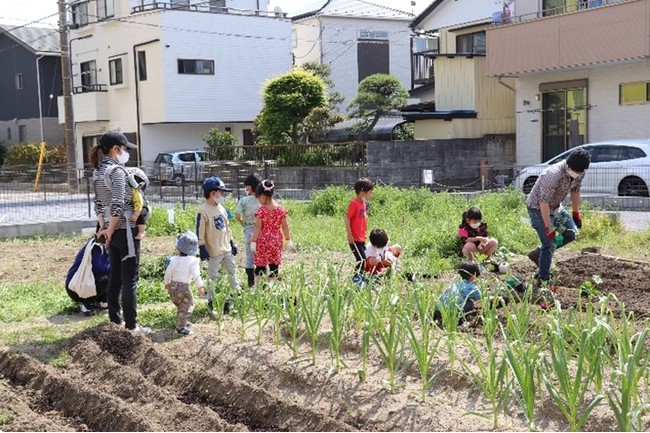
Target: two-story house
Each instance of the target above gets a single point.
(449, 77)
(165, 72)
(30, 78)
(356, 38)
(582, 72)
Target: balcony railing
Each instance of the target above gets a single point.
(422, 67)
(203, 6)
(498, 18)
(90, 88)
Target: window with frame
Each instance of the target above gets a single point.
(105, 9)
(634, 93)
(79, 13)
(116, 71)
(471, 43)
(19, 81)
(196, 67)
(22, 133)
(88, 75)
(9, 134)
(142, 65)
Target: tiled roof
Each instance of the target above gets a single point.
(356, 8)
(37, 39)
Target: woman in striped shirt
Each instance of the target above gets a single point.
(113, 207)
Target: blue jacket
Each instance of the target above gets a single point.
(100, 262)
(459, 293)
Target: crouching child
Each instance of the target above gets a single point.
(460, 301)
(381, 258)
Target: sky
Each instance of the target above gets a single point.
(18, 12)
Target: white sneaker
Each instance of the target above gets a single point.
(140, 330)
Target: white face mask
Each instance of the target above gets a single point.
(572, 173)
(123, 157)
(475, 225)
(220, 200)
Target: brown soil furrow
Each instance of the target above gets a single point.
(127, 383)
(72, 398)
(18, 413)
(367, 406)
(233, 399)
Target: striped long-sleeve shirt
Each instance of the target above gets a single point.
(115, 201)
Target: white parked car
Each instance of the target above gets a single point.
(179, 166)
(619, 167)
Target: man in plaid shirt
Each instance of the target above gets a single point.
(554, 226)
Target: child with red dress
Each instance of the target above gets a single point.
(270, 227)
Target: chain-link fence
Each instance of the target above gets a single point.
(52, 198)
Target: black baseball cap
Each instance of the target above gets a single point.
(115, 138)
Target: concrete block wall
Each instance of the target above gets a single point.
(454, 161)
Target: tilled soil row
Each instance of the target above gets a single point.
(119, 382)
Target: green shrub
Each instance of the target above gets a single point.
(221, 142)
(29, 153)
(3, 153)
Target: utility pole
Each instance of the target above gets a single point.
(66, 76)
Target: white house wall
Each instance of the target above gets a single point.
(247, 51)
(606, 119)
(308, 47)
(452, 12)
(181, 136)
(339, 47)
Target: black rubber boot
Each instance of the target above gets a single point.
(250, 274)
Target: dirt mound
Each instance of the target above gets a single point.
(628, 281)
(119, 382)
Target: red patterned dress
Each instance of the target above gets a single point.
(269, 241)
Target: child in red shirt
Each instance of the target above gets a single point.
(356, 221)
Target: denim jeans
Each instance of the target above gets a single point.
(548, 245)
(248, 235)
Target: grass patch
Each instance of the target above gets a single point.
(20, 301)
(6, 416)
(62, 360)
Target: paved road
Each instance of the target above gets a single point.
(635, 220)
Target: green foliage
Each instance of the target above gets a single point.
(319, 122)
(61, 360)
(404, 131)
(3, 153)
(29, 153)
(324, 71)
(376, 95)
(6, 416)
(288, 99)
(21, 301)
(222, 142)
(184, 219)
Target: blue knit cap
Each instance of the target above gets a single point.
(187, 243)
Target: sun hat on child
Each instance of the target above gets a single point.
(187, 243)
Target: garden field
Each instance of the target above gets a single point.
(313, 352)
